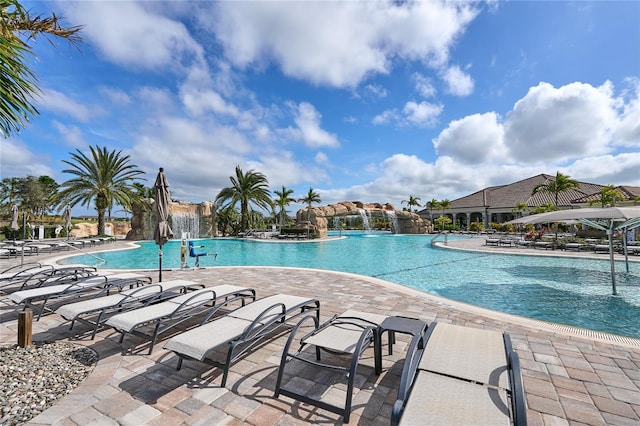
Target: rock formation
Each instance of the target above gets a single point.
(320, 217)
(196, 220)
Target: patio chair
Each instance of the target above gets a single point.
(346, 335)
(170, 313)
(103, 283)
(240, 330)
(47, 275)
(21, 272)
(457, 375)
(101, 308)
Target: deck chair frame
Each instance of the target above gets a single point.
(412, 368)
(364, 333)
(186, 310)
(101, 308)
(273, 318)
(94, 286)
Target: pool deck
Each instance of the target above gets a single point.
(571, 376)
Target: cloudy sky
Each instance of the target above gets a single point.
(370, 101)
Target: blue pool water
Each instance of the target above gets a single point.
(569, 291)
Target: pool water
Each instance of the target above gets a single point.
(570, 291)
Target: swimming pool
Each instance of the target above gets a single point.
(570, 291)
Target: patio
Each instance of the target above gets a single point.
(570, 375)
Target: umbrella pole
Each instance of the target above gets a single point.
(613, 264)
(160, 264)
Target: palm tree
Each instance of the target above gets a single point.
(519, 209)
(247, 188)
(561, 183)
(432, 205)
(412, 202)
(104, 179)
(283, 201)
(444, 204)
(609, 196)
(18, 81)
(309, 199)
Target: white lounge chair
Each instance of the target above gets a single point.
(103, 283)
(240, 330)
(47, 275)
(21, 272)
(168, 314)
(101, 307)
(457, 375)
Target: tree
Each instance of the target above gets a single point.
(519, 208)
(432, 205)
(18, 81)
(247, 188)
(609, 196)
(561, 183)
(283, 200)
(311, 197)
(104, 178)
(412, 202)
(444, 204)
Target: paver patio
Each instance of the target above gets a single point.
(571, 376)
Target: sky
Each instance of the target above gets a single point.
(372, 101)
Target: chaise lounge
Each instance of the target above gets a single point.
(96, 311)
(170, 313)
(457, 375)
(240, 330)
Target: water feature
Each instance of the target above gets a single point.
(393, 220)
(569, 291)
(337, 223)
(185, 225)
(365, 215)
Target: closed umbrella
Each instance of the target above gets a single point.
(67, 219)
(14, 218)
(162, 232)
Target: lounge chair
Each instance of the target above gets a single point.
(104, 284)
(240, 330)
(101, 307)
(21, 272)
(46, 275)
(168, 314)
(348, 334)
(457, 375)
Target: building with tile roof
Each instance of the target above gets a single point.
(497, 204)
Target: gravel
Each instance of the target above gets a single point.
(33, 379)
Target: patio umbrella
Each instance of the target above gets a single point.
(162, 232)
(67, 219)
(14, 218)
(608, 219)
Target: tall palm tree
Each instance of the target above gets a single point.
(561, 183)
(18, 81)
(283, 200)
(311, 197)
(609, 196)
(432, 205)
(444, 204)
(412, 202)
(246, 188)
(103, 179)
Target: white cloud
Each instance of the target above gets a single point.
(61, 104)
(458, 82)
(474, 139)
(321, 158)
(72, 135)
(386, 117)
(573, 121)
(131, 35)
(424, 85)
(115, 95)
(336, 43)
(376, 90)
(19, 161)
(307, 118)
(422, 114)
